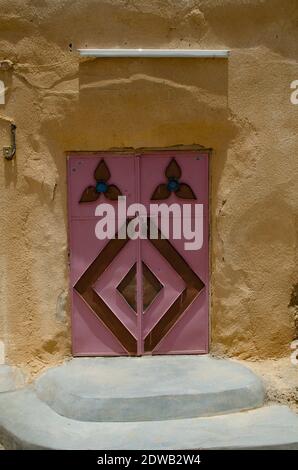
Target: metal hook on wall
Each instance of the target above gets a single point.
(9, 151)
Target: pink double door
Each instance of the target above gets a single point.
(146, 293)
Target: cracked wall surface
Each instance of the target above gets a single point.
(240, 108)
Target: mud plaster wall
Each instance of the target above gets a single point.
(240, 108)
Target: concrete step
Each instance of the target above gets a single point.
(28, 423)
(149, 388)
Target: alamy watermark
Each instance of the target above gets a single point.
(2, 92)
(294, 94)
(294, 355)
(166, 221)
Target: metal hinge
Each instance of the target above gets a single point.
(9, 151)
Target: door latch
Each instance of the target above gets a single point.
(9, 151)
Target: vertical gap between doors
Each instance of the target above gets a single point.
(139, 268)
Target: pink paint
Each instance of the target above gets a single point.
(136, 176)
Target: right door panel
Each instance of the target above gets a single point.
(176, 320)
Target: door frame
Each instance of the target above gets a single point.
(141, 152)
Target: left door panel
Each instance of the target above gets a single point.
(103, 323)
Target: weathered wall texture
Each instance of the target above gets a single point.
(240, 108)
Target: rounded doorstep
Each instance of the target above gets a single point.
(149, 388)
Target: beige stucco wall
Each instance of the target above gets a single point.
(240, 108)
